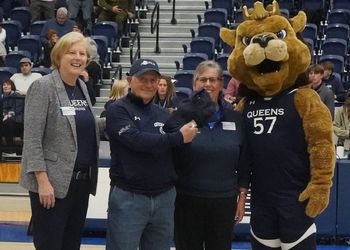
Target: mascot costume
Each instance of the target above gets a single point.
(289, 129)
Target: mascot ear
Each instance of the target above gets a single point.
(298, 22)
(228, 36)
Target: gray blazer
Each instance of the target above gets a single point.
(50, 139)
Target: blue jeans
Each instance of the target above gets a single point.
(136, 220)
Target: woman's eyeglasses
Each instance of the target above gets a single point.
(212, 80)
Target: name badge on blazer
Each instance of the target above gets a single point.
(68, 111)
(228, 125)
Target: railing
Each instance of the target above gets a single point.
(137, 54)
(173, 19)
(155, 26)
(117, 73)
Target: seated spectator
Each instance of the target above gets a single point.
(166, 94)
(332, 81)
(117, 11)
(84, 75)
(315, 75)
(119, 89)
(12, 112)
(3, 51)
(61, 24)
(94, 68)
(74, 6)
(24, 79)
(341, 123)
(231, 92)
(52, 40)
(42, 9)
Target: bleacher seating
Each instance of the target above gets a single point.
(216, 15)
(22, 15)
(36, 27)
(6, 73)
(32, 44)
(110, 30)
(12, 59)
(339, 16)
(42, 70)
(202, 45)
(191, 60)
(13, 32)
(184, 78)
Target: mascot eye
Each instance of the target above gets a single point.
(281, 34)
(246, 40)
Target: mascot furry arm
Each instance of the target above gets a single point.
(267, 58)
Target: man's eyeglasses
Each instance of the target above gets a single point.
(211, 80)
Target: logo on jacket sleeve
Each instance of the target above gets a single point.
(160, 125)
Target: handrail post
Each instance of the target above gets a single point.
(157, 50)
(173, 19)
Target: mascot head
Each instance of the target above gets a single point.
(267, 56)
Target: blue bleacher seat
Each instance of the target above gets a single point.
(183, 93)
(216, 15)
(334, 46)
(184, 78)
(227, 78)
(13, 32)
(203, 45)
(339, 16)
(238, 16)
(285, 13)
(12, 59)
(227, 49)
(225, 4)
(211, 30)
(191, 60)
(110, 30)
(32, 44)
(102, 48)
(23, 15)
(341, 4)
(6, 73)
(221, 59)
(42, 70)
(310, 31)
(36, 27)
(337, 60)
(337, 30)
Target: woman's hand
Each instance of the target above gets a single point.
(45, 190)
(240, 207)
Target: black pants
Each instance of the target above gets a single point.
(61, 227)
(204, 222)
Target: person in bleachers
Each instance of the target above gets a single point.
(12, 112)
(117, 11)
(60, 149)
(333, 82)
(341, 123)
(166, 94)
(3, 51)
(8, 5)
(42, 9)
(61, 24)
(52, 40)
(24, 79)
(120, 88)
(315, 75)
(94, 68)
(74, 6)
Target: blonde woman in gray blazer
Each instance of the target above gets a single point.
(60, 152)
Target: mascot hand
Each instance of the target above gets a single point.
(318, 199)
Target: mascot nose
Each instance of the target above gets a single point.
(263, 40)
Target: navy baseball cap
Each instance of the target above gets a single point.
(142, 66)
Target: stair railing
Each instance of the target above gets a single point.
(138, 50)
(117, 73)
(155, 26)
(173, 19)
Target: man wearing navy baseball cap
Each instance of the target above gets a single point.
(142, 194)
